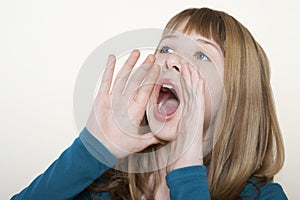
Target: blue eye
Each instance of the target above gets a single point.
(166, 49)
(202, 56)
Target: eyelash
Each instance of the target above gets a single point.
(165, 49)
(204, 57)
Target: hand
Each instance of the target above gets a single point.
(187, 150)
(116, 115)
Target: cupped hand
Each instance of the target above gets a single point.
(187, 150)
(119, 108)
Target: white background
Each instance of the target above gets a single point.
(44, 43)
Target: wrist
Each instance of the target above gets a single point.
(96, 148)
(116, 151)
(182, 163)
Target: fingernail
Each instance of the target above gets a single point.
(151, 58)
(135, 51)
(110, 58)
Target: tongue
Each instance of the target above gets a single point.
(168, 103)
(169, 106)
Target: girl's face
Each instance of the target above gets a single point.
(175, 51)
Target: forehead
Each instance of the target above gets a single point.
(208, 25)
(185, 30)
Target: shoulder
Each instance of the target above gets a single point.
(268, 191)
(272, 191)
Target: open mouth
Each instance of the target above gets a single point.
(167, 101)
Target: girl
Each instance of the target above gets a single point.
(212, 128)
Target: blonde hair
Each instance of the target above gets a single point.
(249, 143)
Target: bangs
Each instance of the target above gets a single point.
(205, 22)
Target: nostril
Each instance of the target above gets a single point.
(176, 68)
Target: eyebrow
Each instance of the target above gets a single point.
(168, 36)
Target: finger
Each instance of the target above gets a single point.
(125, 71)
(185, 82)
(200, 94)
(107, 75)
(186, 73)
(195, 76)
(138, 76)
(185, 79)
(198, 84)
(144, 91)
(184, 100)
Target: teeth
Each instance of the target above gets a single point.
(167, 86)
(159, 106)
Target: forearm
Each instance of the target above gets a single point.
(76, 168)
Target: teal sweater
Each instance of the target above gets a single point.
(81, 164)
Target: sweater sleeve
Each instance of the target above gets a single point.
(272, 191)
(76, 168)
(188, 183)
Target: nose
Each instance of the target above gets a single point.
(174, 62)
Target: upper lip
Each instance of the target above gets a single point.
(168, 83)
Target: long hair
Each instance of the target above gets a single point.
(249, 141)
